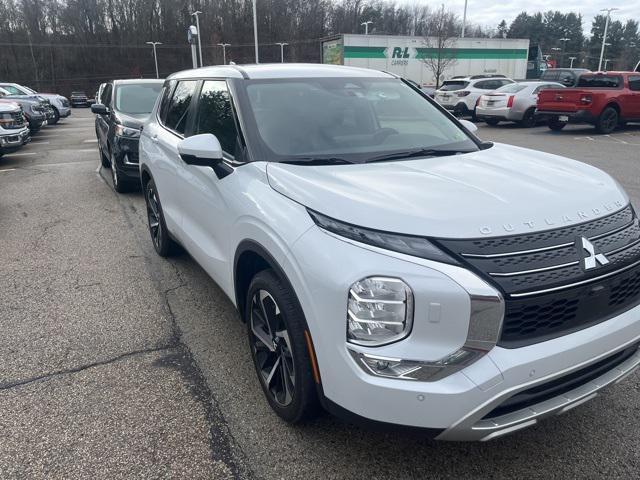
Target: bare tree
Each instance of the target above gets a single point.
(439, 39)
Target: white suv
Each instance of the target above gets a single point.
(389, 265)
(461, 94)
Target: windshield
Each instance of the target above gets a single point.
(355, 119)
(12, 90)
(137, 98)
(511, 88)
(452, 85)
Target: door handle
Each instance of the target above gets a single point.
(154, 137)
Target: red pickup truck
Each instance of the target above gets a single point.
(605, 100)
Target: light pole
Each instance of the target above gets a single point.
(464, 19)
(604, 36)
(572, 59)
(224, 52)
(606, 60)
(255, 29)
(564, 46)
(155, 55)
(366, 26)
(282, 44)
(196, 13)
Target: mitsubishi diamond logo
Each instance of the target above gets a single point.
(590, 259)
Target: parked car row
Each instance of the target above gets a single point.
(606, 100)
(23, 112)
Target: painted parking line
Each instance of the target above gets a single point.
(22, 154)
(7, 170)
(38, 143)
(91, 140)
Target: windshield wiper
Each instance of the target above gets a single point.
(420, 152)
(317, 161)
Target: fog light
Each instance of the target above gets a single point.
(380, 311)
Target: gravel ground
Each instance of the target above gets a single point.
(117, 363)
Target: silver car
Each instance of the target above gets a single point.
(515, 102)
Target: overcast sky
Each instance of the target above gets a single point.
(490, 13)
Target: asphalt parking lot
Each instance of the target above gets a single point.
(116, 363)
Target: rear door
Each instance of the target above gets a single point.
(172, 126)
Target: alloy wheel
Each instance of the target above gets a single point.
(271, 348)
(610, 121)
(153, 215)
(114, 172)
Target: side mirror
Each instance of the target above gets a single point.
(99, 109)
(472, 127)
(204, 150)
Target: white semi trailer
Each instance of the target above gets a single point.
(405, 55)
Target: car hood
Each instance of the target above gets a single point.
(51, 96)
(131, 120)
(499, 191)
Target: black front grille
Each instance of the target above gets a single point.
(548, 292)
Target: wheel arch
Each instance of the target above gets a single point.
(250, 258)
(613, 105)
(145, 175)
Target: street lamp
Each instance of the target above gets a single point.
(196, 13)
(604, 37)
(564, 46)
(606, 60)
(224, 52)
(366, 26)
(255, 29)
(572, 59)
(155, 55)
(464, 19)
(282, 44)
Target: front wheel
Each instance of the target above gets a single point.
(607, 121)
(276, 328)
(120, 184)
(162, 241)
(556, 125)
(492, 121)
(56, 115)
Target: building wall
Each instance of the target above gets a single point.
(403, 55)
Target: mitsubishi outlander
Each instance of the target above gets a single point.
(390, 266)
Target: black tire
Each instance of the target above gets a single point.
(607, 121)
(276, 330)
(528, 119)
(460, 110)
(160, 237)
(555, 124)
(492, 121)
(56, 115)
(120, 185)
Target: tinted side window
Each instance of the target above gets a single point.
(599, 81)
(178, 109)
(166, 96)
(216, 116)
(106, 94)
(484, 85)
(634, 83)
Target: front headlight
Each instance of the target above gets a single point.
(122, 131)
(380, 311)
(407, 244)
(35, 109)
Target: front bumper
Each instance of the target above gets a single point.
(455, 405)
(64, 112)
(10, 142)
(125, 151)
(37, 121)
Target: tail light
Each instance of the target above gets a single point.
(510, 101)
(463, 93)
(586, 99)
(478, 100)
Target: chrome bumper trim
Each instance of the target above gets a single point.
(473, 428)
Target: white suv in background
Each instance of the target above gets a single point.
(389, 265)
(461, 94)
